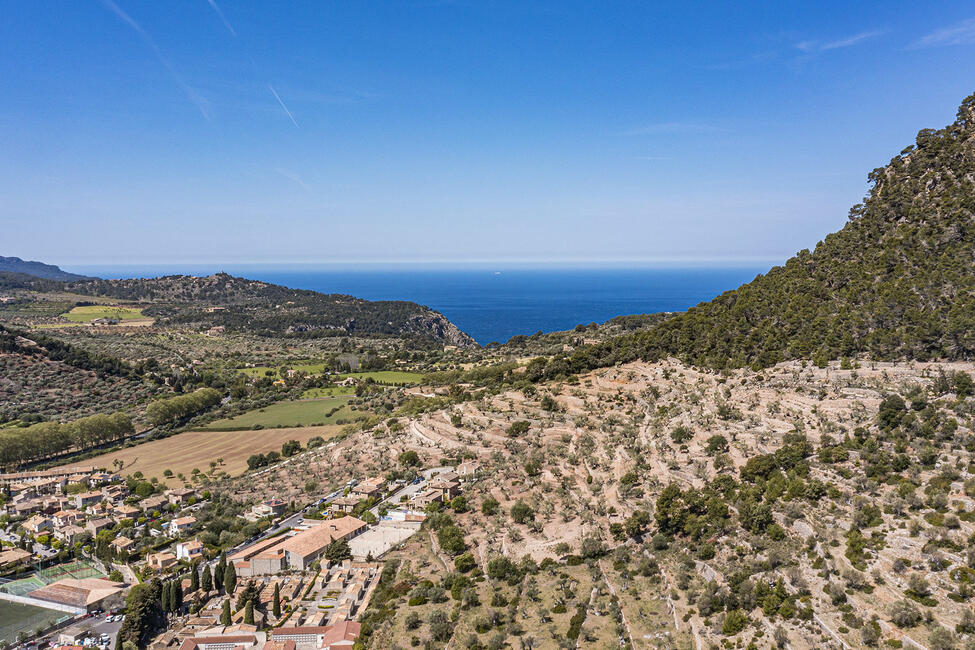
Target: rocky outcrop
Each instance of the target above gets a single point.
(433, 323)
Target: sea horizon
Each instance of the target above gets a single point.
(490, 303)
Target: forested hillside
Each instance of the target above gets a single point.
(43, 378)
(243, 305)
(897, 282)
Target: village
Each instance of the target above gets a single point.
(77, 540)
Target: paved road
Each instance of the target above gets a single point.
(39, 550)
(97, 624)
(111, 629)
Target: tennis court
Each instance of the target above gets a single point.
(23, 586)
(76, 569)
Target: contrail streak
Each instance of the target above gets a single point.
(278, 97)
(226, 23)
(201, 103)
(290, 175)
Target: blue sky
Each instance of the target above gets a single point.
(189, 131)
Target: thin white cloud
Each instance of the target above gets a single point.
(280, 101)
(201, 103)
(855, 39)
(223, 19)
(962, 33)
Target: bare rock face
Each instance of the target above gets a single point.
(435, 324)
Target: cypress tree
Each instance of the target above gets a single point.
(177, 597)
(207, 582)
(249, 613)
(218, 571)
(194, 578)
(164, 596)
(277, 600)
(229, 579)
(217, 578)
(225, 614)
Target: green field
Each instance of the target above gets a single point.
(386, 376)
(329, 391)
(15, 618)
(297, 413)
(91, 312)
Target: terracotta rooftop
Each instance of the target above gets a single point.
(78, 592)
(314, 539)
(344, 631)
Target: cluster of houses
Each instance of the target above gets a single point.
(41, 500)
(266, 510)
(440, 489)
(49, 506)
(71, 518)
(318, 607)
(39, 491)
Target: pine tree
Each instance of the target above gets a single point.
(225, 614)
(277, 600)
(249, 613)
(229, 579)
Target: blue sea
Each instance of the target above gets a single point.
(493, 304)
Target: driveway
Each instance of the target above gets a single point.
(393, 500)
